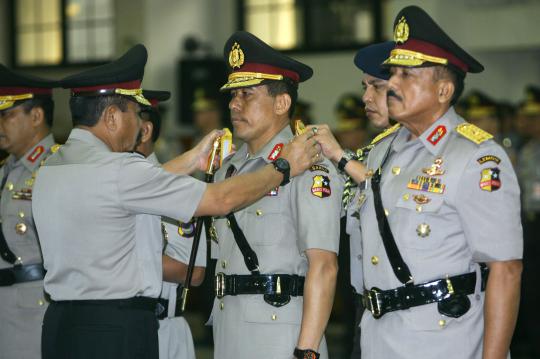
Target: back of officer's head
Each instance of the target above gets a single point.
(86, 111)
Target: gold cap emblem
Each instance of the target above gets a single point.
(236, 56)
(401, 31)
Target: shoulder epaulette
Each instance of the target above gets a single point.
(473, 133)
(385, 133)
(55, 147)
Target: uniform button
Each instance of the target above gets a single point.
(29, 182)
(359, 257)
(258, 212)
(20, 228)
(418, 208)
(406, 197)
(40, 302)
(274, 317)
(9, 186)
(423, 230)
(374, 260)
(21, 214)
(221, 305)
(228, 223)
(223, 264)
(477, 297)
(396, 170)
(442, 323)
(386, 212)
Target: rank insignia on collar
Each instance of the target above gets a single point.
(321, 186)
(438, 133)
(38, 151)
(186, 229)
(427, 184)
(274, 154)
(435, 169)
(490, 179)
(489, 158)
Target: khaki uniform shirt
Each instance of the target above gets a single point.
(280, 227)
(472, 215)
(22, 305)
(86, 199)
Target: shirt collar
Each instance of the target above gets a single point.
(434, 139)
(153, 159)
(268, 153)
(88, 137)
(32, 159)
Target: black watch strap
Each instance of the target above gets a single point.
(306, 354)
(347, 156)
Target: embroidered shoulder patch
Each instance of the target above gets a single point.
(490, 179)
(489, 158)
(321, 186)
(473, 133)
(386, 133)
(319, 168)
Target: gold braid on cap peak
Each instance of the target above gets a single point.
(136, 93)
(412, 58)
(8, 101)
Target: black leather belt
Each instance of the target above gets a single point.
(379, 302)
(267, 284)
(137, 303)
(21, 274)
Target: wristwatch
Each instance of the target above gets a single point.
(282, 165)
(306, 354)
(347, 156)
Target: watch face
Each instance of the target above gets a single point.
(282, 164)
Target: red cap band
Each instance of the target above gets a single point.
(267, 69)
(432, 50)
(13, 91)
(153, 102)
(131, 85)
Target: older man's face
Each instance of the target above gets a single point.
(412, 94)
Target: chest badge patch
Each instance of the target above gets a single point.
(438, 133)
(426, 184)
(274, 154)
(321, 186)
(38, 151)
(490, 179)
(435, 169)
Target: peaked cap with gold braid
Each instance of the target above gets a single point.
(252, 61)
(15, 87)
(120, 77)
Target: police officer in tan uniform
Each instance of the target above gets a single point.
(174, 239)
(441, 203)
(277, 265)
(87, 197)
(26, 115)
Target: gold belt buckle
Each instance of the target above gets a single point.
(219, 285)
